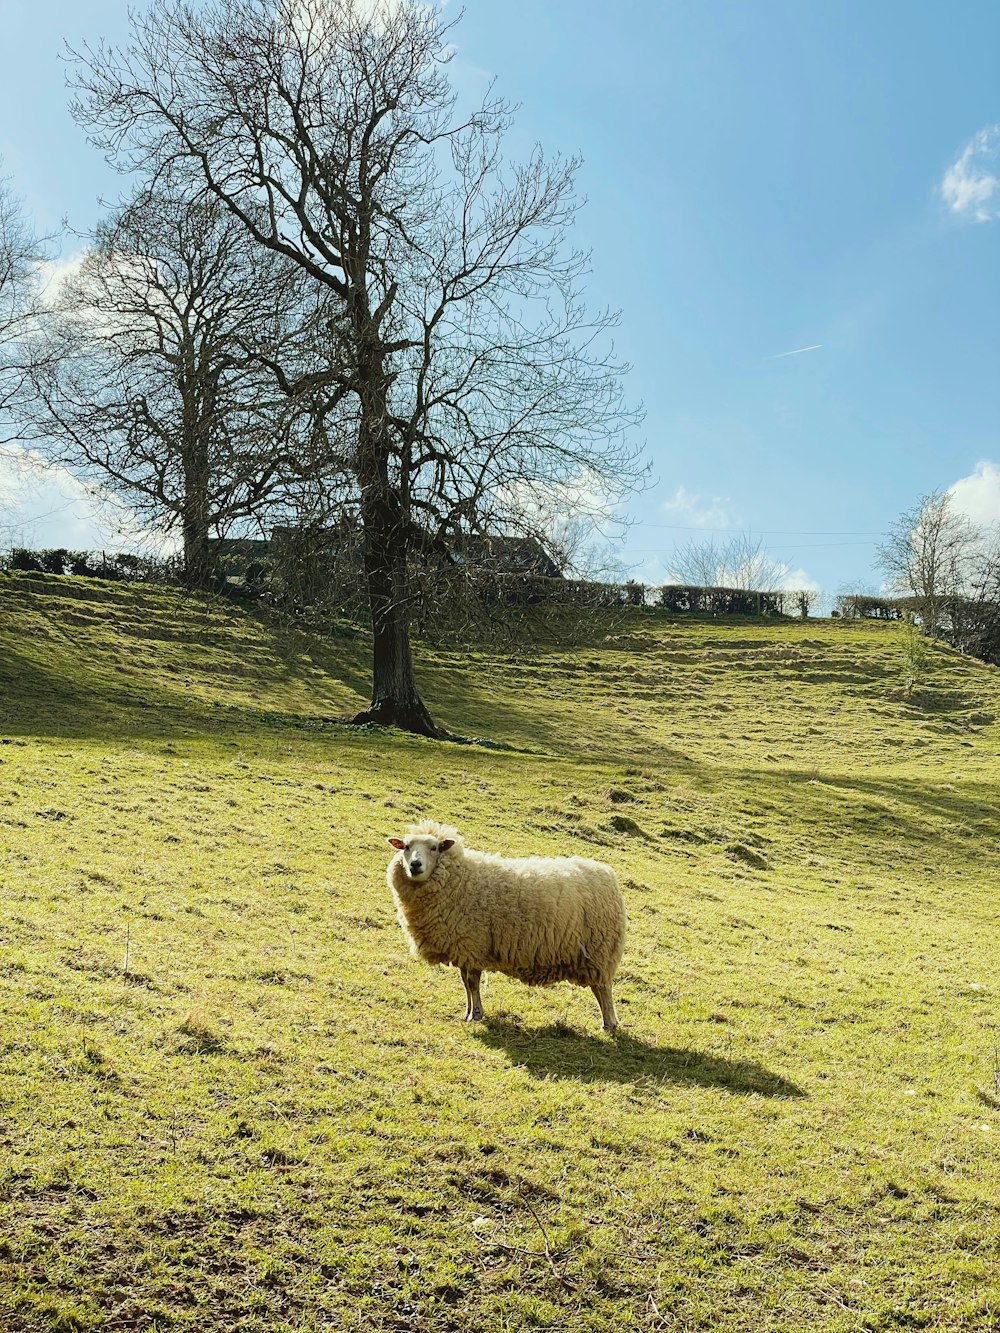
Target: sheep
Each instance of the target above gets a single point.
(538, 919)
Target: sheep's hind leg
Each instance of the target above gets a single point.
(602, 993)
(473, 1005)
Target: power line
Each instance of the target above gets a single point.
(783, 546)
(763, 532)
(815, 546)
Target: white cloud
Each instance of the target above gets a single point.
(324, 19)
(43, 505)
(797, 580)
(978, 495)
(688, 509)
(971, 185)
(50, 274)
(538, 502)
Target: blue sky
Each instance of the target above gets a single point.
(762, 177)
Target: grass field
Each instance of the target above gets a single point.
(229, 1099)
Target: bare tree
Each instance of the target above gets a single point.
(976, 622)
(698, 563)
(20, 253)
(743, 562)
(749, 565)
(931, 554)
(463, 362)
(150, 381)
(950, 565)
(582, 551)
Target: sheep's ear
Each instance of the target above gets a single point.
(446, 843)
(395, 842)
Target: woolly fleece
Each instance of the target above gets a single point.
(538, 919)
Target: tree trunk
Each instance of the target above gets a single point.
(395, 701)
(197, 556)
(194, 515)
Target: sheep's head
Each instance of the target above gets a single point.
(422, 849)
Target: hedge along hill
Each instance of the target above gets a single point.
(231, 1100)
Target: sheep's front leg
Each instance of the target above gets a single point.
(604, 998)
(474, 1005)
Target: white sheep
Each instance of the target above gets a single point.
(539, 919)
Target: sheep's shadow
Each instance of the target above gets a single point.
(558, 1051)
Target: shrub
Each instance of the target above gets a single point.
(21, 558)
(128, 566)
(78, 565)
(862, 606)
(721, 601)
(53, 561)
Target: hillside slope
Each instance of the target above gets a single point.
(232, 1101)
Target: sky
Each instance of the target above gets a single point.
(795, 205)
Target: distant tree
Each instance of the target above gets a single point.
(970, 618)
(950, 567)
(463, 366)
(20, 253)
(981, 633)
(742, 562)
(581, 551)
(150, 382)
(698, 563)
(750, 566)
(930, 554)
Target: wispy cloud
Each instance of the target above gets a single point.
(687, 509)
(971, 185)
(797, 351)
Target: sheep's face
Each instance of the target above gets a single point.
(421, 854)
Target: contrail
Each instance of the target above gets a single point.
(798, 350)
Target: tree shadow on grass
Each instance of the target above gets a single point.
(558, 1051)
(69, 696)
(970, 802)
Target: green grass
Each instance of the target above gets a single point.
(274, 1119)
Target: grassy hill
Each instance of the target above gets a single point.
(230, 1100)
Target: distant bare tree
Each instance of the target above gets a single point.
(750, 566)
(581, 550)
(970, 619)
(742, 562)
(976, 622)
(150, 383)
(931, 553)
(950, 566)
(20, 253)
(696, 562)
(463, 364)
